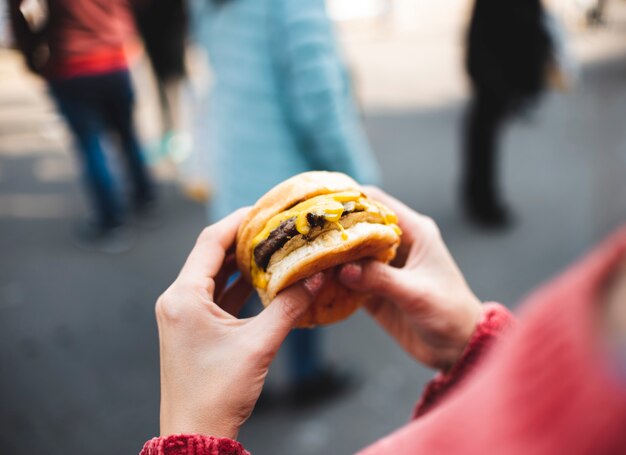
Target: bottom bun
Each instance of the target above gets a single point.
(329, 249)
(334, 303)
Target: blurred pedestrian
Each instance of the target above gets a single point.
(508, 53)
(281, 105)
(163, 26)
(78, 47)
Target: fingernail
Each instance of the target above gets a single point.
(351, 273)
(314, 283)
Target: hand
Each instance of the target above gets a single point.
(213, 365)
(422, 299)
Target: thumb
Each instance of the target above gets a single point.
(287, 308)
(375, 277)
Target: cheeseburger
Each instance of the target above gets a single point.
(312, 222)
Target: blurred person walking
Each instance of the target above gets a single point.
(163, 26)
(164, 29)
(508, 53)
(281, 104)
(78, 47)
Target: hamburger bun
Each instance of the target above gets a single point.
(309, 223)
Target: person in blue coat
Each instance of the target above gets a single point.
(281, 104)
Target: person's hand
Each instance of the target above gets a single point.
(421, 299)
(213, 365)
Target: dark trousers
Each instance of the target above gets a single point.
(92, 105)
(484, 122)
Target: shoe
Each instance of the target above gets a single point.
(325, 386)
(95, 238)
(484, 208)
(178, 146)
(489, 216)
(196, 190)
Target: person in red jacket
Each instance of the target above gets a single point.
(552, 382)
(78, 47)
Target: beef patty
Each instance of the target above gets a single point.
(284, 232)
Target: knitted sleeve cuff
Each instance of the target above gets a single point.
(495, 320)
(192, 444)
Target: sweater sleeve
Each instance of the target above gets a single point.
(548, 387)
(319, 96)
(496, 319)
(187, 444)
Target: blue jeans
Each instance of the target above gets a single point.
(92, 105)
(304, 354)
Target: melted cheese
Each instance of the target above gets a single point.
(331, 207)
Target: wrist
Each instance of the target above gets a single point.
(494, 321)
(192, 422)
(215, 431)
(460, 336)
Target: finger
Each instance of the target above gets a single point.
(409, 220)
(207, 256)
(225, 275)
(286, 310)
(393, 321)
(235, 297)
(390, 201)
(376, 278)
(388, 316)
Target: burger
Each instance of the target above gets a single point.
(309, 223)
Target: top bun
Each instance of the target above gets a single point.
(282, 197)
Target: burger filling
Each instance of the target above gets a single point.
(287, 230)
(306, 220)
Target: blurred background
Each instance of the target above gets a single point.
(78, 339)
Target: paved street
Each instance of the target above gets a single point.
(78, 346)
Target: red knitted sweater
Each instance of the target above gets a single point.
(547, 388)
